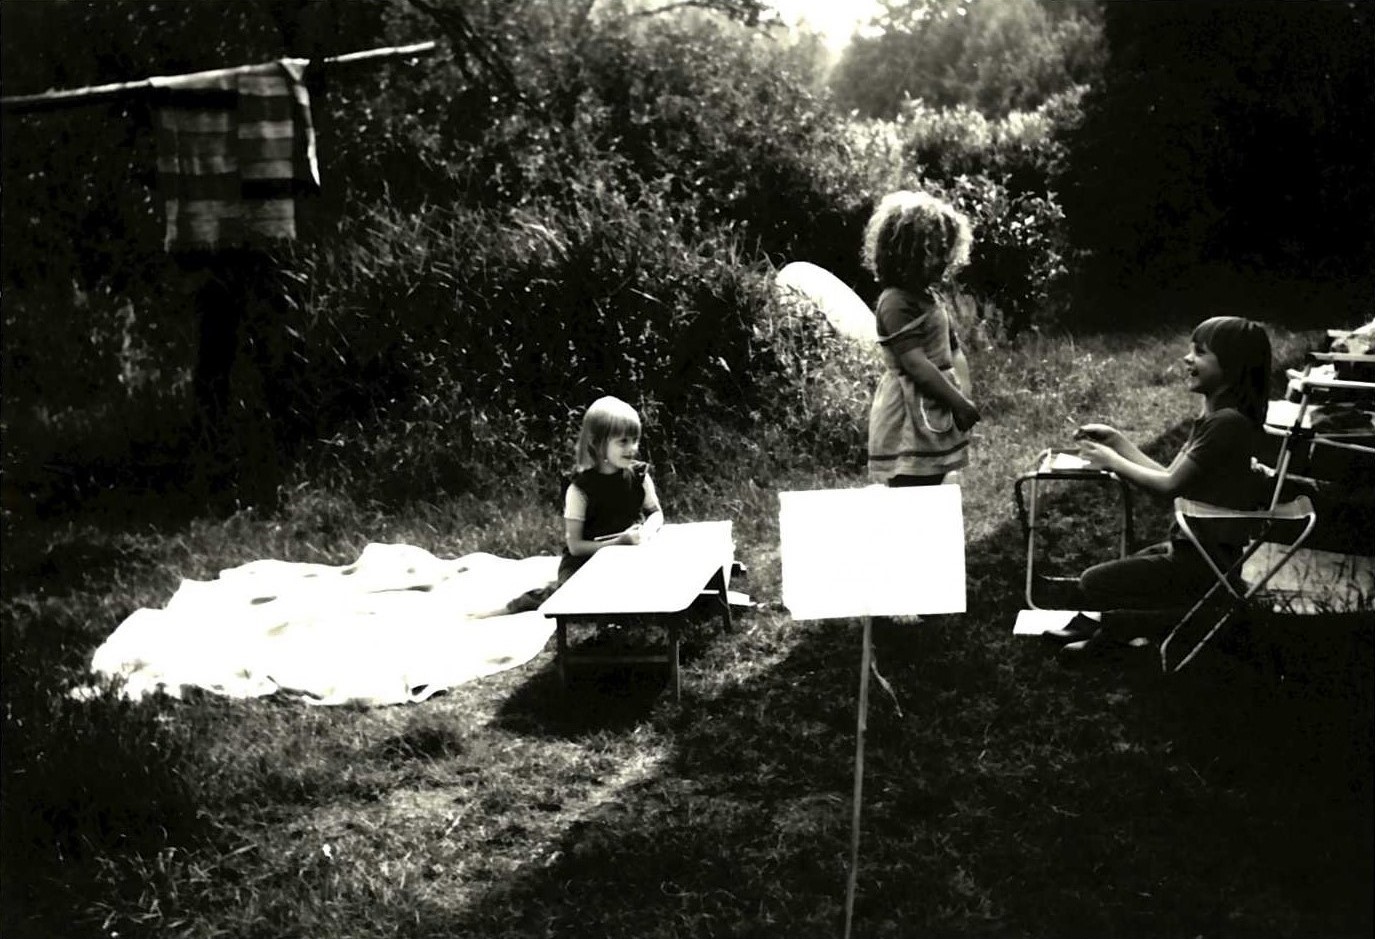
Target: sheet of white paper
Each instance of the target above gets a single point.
(872, 552)
(1035, 622)
(1064, 460)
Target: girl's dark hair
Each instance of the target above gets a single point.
(1242, 348)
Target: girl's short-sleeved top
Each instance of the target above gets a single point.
(610, 502)
(897, 308)
(1221, 444)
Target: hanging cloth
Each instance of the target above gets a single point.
(236, 147)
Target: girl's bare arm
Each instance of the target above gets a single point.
(930, 382)
(1115, 440)
(1168, 482)
(578, 546)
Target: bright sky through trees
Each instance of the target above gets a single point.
(835, 20)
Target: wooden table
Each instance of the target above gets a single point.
(648, 584)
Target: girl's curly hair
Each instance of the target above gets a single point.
(914, 240)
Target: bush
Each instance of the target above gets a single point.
(494, 251)
(1003, 174)
(489, 257)
(1019, 264)
(1228, 136)
(996, 57)
(1025, 149)
(461, 343)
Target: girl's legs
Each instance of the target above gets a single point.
(568, 566)
(1141, 594)
(903, 480)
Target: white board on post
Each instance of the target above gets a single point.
(876, 551)
(861, 553)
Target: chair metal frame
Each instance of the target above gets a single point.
(1188, 513)
(1310, 390)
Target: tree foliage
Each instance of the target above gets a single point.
(990, 55)
(571, 198)
(568, 199)
(1228, 134)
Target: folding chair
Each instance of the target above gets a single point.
(1288, 523)
(1308, 392)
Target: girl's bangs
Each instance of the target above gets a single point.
(623, 426)
(617, 423)
(1206, 332)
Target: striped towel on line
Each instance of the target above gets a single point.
(235, 149)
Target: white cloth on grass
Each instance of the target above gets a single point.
(396, 626)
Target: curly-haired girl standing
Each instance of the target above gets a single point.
(921, 416)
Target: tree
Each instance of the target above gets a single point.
(992, 55)
(1228, 134)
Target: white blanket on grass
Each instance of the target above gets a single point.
(398, 625)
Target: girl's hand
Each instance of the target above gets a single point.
(1100, 434)
(966, 415)
(632, 535)
(1097, 454)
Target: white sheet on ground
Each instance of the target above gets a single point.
(396, 626)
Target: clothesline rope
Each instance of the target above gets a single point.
(72, 97)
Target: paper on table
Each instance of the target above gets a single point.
(1035, 622)
(872, 552)
(1065, 460)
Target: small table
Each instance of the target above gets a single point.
(656, 581)
(1063, 464)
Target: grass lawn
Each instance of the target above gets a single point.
(1005, 795)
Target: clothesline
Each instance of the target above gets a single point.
(50, 100)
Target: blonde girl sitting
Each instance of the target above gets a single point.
(611, 498)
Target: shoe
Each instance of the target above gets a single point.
(1079, 628)
(1100, 649)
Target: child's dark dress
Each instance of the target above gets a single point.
(615, 501)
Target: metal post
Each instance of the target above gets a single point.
(864, 659)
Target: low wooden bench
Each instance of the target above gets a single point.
(648, 584)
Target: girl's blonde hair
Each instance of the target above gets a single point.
(606, 419)
(914, 240)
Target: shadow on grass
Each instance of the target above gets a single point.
(598, 698)
(1007, 796)
(40, 564)
(602, 697)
